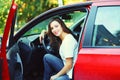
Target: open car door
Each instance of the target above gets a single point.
(4, 70)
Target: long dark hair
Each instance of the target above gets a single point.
(54, 38)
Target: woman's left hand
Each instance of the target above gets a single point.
(53, 77)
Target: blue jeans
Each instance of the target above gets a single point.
(53, 65)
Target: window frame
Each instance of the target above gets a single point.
(90, 27)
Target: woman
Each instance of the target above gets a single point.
(56, 68)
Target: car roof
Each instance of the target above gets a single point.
(105, 2)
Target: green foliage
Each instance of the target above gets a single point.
(4, 9)
(27, 10)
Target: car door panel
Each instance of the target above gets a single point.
(101, 64)
(15, 63)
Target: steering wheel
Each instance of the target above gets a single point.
(46, 43)
(50, 48)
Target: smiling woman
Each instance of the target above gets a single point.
(62, 68)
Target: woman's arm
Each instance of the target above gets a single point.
(65, 69)
(41, 37)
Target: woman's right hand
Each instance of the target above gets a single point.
(54, 77)
(41, 37)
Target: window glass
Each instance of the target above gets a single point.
(107, 27)
(71, 20)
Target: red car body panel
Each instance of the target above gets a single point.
(97, 64)
(5, 70)
(106, 2)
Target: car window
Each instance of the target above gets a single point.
(70, 19)
(107, 27)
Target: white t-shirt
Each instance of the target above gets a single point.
(69, 48)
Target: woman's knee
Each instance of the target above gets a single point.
(47, 57)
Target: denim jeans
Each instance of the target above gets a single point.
(53, 65)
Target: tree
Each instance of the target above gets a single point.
(4, 9)
(28, 9)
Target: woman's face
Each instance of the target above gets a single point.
(56, 28)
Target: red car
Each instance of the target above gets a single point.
(97, 26)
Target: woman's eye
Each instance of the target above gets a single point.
(56, 25)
